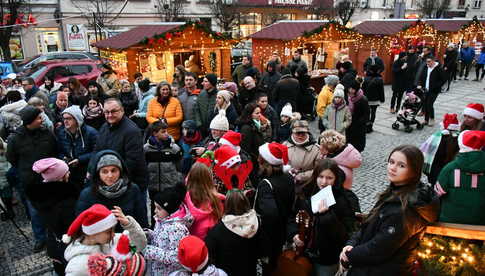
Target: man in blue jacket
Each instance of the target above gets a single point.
(467, 55)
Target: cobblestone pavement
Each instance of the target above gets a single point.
(16, 257)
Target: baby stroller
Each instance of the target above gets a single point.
(409, 111)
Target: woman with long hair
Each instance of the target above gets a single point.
(332, 225)
(179, 76)
(167, 108)
(204, 202)
(50, 87)
(233, 242)
(223, 102)
(386, 243)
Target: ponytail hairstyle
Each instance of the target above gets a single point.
(415, 161)
(200, 186)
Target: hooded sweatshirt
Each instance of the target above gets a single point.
(348, 160)
(203, 219)
(162, 249)
(461, 185)
(232, 244)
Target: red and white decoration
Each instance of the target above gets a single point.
(275, 154)
(471, 140)
(193, 254)
(232, 139)
(122, 250)
(474, 110)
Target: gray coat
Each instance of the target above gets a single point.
(337, 119)
(188, 102)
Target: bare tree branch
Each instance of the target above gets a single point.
(170, 10)
(345, 9)
(225, 13)
(105, 11)
(433, 8)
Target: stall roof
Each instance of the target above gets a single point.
(134, 36)
(393, 26)
(287, 29)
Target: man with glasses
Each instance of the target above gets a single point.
(76, 143)
(122, 135)
(32, 90)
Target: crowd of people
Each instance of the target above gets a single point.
(187, 179)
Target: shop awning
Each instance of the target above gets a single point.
(287, 30)
(449, 25)
(134, 36)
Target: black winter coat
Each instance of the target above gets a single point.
(347, 79)
(125, 138)
(331, 229)
(27, 146)
(274, 119)
(129, 100)
(252, 138)
(246, 96)
(269, 80)
(373, 88)
(274, 204)
(355, 133)
(386, 244)
(436, 79)
(286, 91)
(450, 61)
(378, 62)
(401, 78)
(234, 254)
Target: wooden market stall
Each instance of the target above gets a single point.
(156, 49)
(321, 41)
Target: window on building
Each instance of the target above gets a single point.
(461, 4)
(384, 3)
(477, 4)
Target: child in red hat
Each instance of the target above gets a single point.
(92, 232)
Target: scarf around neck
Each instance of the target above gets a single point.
(115, 190)
(354, 99)
(91, 113)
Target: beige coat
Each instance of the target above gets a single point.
(303, 158)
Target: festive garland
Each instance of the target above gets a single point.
(178, 31)
(444, 256)
(320, 29)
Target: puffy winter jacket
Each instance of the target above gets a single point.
(172, 113)
(467, 54)
(10, 114)
(77, 254)
(303, 157)
(373, 88)
(163, 242)
(203, 219)
(324, 100)
(337, 118)
(79, 146)
(347, 159)
(386, 244)
(461, 185)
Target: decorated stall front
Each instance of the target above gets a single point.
(322, 43)
(156, 49)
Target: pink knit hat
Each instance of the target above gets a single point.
(51, 169)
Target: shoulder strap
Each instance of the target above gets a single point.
(257, 192)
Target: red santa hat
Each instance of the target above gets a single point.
(275, 154)
(122, 250)
(231, 138)
(471, 140)
(450, 122)
(474, 110)
(226, 156)
(94, 220)
(193, 254)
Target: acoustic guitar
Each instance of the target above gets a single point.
(292, 262)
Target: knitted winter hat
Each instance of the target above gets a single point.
(109, 160)
(193, 254)
(300, 126)
(107, 265)
(94, 220)
(347, 65)
(231, 138)
(474, 110)
(275, 154)
(450, 122)
(75, 112)
(212, 78)
(226, 95)
(471, 140)
(220, 121)
(51, 169)
(339, 91)
(230, 86)
(189, 124)
(287, 110)
(170, 198)
(331, 80)
(29, 114)
(226, 156)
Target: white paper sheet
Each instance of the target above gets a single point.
(326, 195)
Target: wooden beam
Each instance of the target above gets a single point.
(463, 231)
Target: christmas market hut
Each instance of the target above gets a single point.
(155, 50)
(389, 37)
(321, 42)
